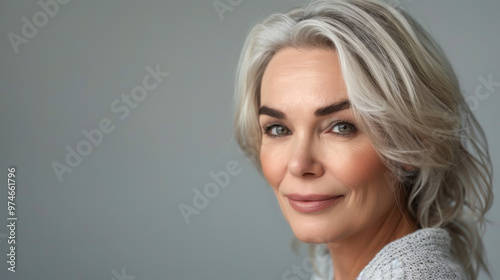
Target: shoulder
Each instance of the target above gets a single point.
(423, 254)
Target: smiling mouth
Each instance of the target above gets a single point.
(311, 203)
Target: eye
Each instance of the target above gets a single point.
(276, 130)
(343, 128)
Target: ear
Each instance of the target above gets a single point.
(408, 167)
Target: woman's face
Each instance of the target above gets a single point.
(328, 179)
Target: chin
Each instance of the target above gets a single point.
(313, 232)
(310, 238)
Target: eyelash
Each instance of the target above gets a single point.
(268, 127)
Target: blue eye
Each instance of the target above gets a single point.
(343, 128)
(276, 130)
(339, 128)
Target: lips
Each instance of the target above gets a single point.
(311, 202)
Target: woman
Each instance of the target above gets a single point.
(354, 116)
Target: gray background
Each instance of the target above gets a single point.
(116, 214)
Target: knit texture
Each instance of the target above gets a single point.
(423, 254)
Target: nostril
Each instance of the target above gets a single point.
(308, 174)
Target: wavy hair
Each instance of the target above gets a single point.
(403, 89)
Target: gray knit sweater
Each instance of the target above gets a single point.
(423, 254)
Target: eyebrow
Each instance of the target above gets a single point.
(320, 112)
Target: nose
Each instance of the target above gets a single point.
(304, 161)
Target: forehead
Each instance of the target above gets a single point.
(299, 74)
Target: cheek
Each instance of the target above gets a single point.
(356, 165)
(366, 180)
(273, 165)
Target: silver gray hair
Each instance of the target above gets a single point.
(402, 88)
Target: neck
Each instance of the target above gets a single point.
(352, 254)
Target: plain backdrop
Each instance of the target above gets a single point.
(115, 212)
